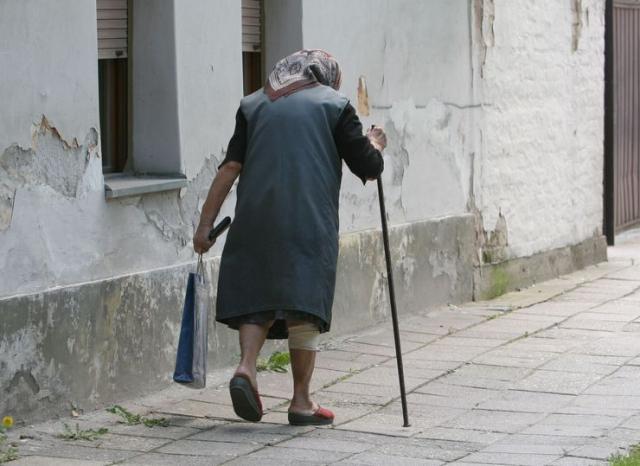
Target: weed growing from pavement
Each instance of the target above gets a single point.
(11, 453)
(630, 459)
(82, 434)
(131, 419)
(277, 362)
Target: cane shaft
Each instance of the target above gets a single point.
(392, 299)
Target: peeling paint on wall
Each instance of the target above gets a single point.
(576, 27)
(51, 161)
(484, 11)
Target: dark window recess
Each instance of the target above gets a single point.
(113, 86)
(252, 71)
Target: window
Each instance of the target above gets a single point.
(252, 58)
(113, 82)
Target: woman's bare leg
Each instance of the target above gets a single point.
(252, 337)
(302, 366)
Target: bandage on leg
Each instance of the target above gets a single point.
(304, 336)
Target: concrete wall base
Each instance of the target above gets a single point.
(95, 343)
(491, 280)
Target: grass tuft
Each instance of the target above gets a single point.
(277, 362)
(131, 419)
(630, 459)
(81, 434)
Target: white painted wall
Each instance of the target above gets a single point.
(524, 138)
(61, 38)
(415, 56)
(209, 51)
(55, 226)
(542, 137)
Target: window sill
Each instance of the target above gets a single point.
(127, 184)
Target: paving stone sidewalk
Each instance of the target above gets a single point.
(547, 375)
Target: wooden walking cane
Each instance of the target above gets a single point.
(392, 299)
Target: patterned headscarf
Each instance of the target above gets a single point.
(303, 69)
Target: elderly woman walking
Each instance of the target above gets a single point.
(278, 267)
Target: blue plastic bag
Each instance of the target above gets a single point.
(191, 359)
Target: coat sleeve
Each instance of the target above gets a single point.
(354, 147)
(237, 147)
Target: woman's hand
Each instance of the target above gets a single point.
(201, 243)
(377, 137)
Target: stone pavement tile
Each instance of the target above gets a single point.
(544, 345)
(628, 273)
(556, 308)
(509, 357)
(354, 398)
(632, 422)
(162, 459)
(426, 451)
(386, 391)
(532, 402)
(459, 339)
(572, 362)
(616, 405)
(510, 458)
(573, 334)
(337, 352)
(321, 378)
(128, 442)
(385, 424)
(521, 446)
(504, 373)
(464, 437)
(571, 383)
(509, 326)
(599, 313)
(546, 319)
(443, 351)
(600, 449)
(66, 449)
(632, 327)
(301, 455)
(193, 422)
(442, 394)
(387, 460)
(218, 395)
(618, 345)
(625, 308)
(581, 323)
(140, 430)
(325, 444)
(361, 362)
(494, 421)
(202, 448)
(617, 384)
(421, 415)
(499, 336)
(428, 364)
(241, 432)
(572, 425)
(275, 385)
(376, 350)
(418, 337)
(388, 376)
(261, 461)
(576, 461)
(49, 461)
(385, 339)
(200, 409)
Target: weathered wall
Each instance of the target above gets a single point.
(55, 226)
(96, 343)
(419, 88)
(539, 75)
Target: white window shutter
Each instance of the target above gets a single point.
(112, 28)
(251, 26)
